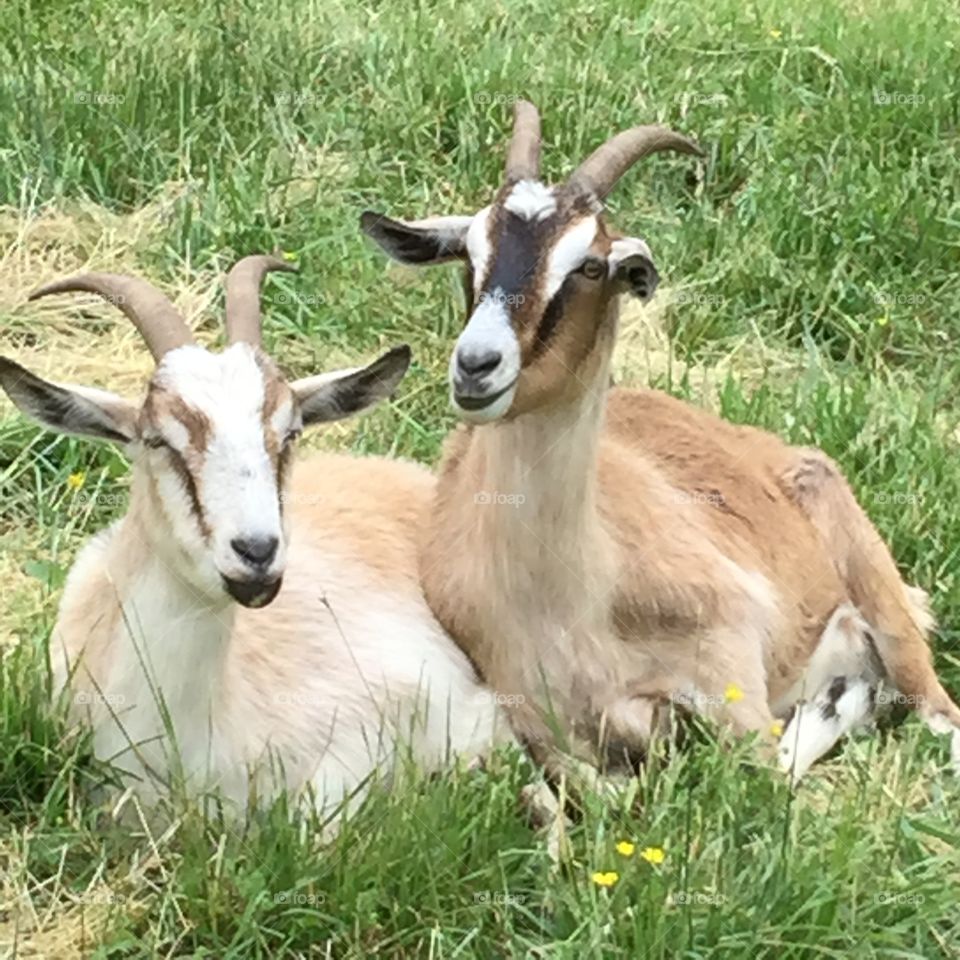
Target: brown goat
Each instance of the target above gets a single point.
(600, 554)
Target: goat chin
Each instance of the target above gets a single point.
(340, 680)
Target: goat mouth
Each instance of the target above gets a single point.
(252, 593)
(481, 403)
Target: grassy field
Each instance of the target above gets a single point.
(810, 285)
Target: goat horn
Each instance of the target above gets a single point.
(157, 319)
(607, 164)
(243, 296)
(523, 154)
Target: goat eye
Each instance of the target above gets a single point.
(291, 436)
(155, 443)
(593, 268)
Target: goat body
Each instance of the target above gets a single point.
(660, 554)
(334, 680)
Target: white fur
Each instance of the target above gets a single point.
(531, 200)
(810, 734)
(489, 329)
(842, 651)
(478, 247)
(568, 253)
(319, 692)
(450, 230)
(377, 675)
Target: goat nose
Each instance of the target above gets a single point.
(477, 363)
(256, 551)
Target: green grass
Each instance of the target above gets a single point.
(823, 234)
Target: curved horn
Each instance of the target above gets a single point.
(607, 164)
(243, 296)
(157, 319)
(523, 154)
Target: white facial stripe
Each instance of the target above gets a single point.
(175, 433)
(531, 200)
(280, 419)
(478, 246)
(568, 253)
(490, 331)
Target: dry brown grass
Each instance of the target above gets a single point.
(644, 353)
(79, 337)
(51, 919)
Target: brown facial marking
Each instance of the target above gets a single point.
(275, 394)
(196, 423)
(190, 485)
(162, 404)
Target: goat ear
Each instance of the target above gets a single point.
(333, 396)
(420, 242)
(631, 265)
(68, 409)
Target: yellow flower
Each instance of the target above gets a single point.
(75, 480)
(883, 321)
(776, 34)
(776, 728)
(625, 848)
(653, 854)
(606, 879)
(289, 256)
(733, 693)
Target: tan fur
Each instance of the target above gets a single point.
(659, 551)
(292, 679)
(600, 554)
(321, 691)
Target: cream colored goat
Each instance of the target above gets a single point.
(329, 666)
(601, 554)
